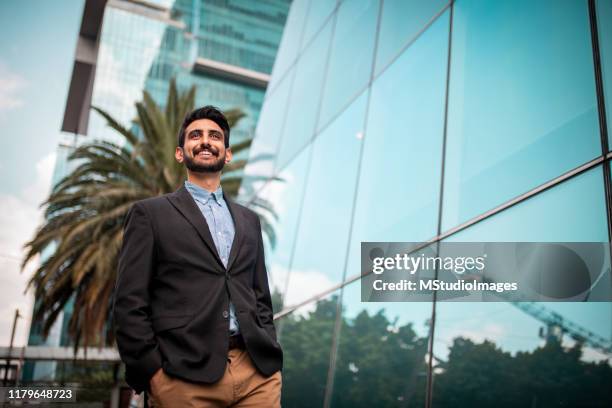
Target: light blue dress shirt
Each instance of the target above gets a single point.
(221, 226)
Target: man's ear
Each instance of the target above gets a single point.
(178, 154)
(228, 155)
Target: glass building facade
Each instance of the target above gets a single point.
(436, 121)
(226, 49)
(142, 48)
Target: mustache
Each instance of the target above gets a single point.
(201, 148)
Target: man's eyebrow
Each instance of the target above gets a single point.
(214, 132)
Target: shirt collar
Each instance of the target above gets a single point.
(203, 195)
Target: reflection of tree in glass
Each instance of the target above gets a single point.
(306, 343)
(381, 364)
(376, 361)
(482, 375)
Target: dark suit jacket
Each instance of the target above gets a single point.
(171, 303)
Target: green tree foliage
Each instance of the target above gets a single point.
(482, 375)
(382, 364)
(306, 341)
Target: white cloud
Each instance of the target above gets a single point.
(20, 215)
(478, 333)
(491, 331)
(11, 85)
(589, 354)
(38, 191)
(303, 284)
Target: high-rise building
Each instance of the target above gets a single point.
(437, 121)
(225, 48)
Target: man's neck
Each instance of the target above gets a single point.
(208, 181)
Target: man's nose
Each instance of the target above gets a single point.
(205, 141)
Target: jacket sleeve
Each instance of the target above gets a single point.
(136, 341)
(261, 288)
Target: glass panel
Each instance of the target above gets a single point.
(306, 338)
(402, 20)
(522, 106)
(573, 211)
(267, 138)
(289, 45)
(318, 12)
(320, 250)
(122, 70)
(516, 355)
(246, 34)
(284, 197)
(305, 97)
(604, 25)
(400, 174)
(351, 55)
(381, 353)
(530, 354)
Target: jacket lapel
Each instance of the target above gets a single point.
(185, 204)
(236, 213)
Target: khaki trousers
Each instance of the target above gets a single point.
(241, 386)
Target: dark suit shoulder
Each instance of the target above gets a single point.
(152, 204)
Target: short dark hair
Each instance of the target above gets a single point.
(205, 112)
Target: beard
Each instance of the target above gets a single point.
(213, 167)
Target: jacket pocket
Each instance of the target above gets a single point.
(267, 329)
(162, 323)
(259, 322)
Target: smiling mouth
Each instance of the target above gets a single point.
(205, 154)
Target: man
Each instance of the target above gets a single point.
(192, 306)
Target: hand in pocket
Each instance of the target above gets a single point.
(156, 381)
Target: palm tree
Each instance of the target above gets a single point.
(85, 212)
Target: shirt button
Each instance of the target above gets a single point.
(225, 314)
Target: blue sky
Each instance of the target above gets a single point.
(37, 43)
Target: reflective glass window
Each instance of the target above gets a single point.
(604, 25)
(401, 21)
(306, 338)
(522, 106)
(399, 184)
(381, 353)
(303, 106)
(351, 55)
(267, 138)
(322, 239)
(244, 33)
(542, 354)
(572, 211)
(290, 41)
(318, 12)
(284, 196)
(511, 355)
